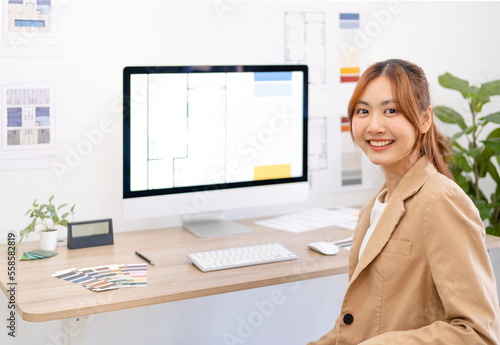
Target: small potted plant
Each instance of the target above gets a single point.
(45, 219)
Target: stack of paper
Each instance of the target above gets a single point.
(107, 277)
(344, 217)
(37, 255)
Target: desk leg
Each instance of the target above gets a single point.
(74, 331)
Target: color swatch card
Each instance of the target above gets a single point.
(37, 255)
(109, 277)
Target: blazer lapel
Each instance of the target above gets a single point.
(394, 211)
(381, 235)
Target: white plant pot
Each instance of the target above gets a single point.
(48, 240)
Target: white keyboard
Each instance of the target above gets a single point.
(240, 256)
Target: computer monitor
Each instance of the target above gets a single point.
(199, 140)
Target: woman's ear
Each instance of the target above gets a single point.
(426, 120)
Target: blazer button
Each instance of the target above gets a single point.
(348, 319)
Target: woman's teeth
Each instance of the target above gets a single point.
(381, 142)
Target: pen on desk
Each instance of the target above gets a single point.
(144, 258)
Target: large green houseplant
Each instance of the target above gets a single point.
(476, 153)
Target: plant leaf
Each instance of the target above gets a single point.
(492, 170)
(495, 118)
(51, 198)
(491, 88)
(462, 182)
(61, 206)
(449, 81)
(484, 161)
(493, 143)
(448, 115)
(462, 163)
(483, 207)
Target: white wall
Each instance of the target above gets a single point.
(99, 38)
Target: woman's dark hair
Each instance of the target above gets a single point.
(410, 91)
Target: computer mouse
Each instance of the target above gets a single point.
(326, 248)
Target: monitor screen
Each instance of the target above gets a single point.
(210, 129)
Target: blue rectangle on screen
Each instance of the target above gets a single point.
(29, 23)
(272, 90)
(349, 16)
(272, 76)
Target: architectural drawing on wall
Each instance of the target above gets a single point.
(29, 24)
(351, 157)
(27, 125)
(305, 43)
(29, 16)
(317, 152)
(350, 55)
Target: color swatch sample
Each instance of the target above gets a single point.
(349, 52)
(109, 277)
(37, 255)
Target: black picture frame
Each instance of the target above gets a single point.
(90, 233)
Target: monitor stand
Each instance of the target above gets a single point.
(212, 224)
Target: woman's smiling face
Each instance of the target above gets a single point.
(384, 134)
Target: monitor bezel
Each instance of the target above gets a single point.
(131, 70)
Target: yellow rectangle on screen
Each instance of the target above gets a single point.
(267, 172)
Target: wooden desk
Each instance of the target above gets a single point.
(41, 297)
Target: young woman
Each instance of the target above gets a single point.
(419, 272)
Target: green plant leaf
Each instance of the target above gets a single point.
(484, 208)
(61, 206)
(448, 115)
(449, 81)
(462, 182)
(460, 151)
(494, 133)
(495, 118)
(65, 215)
(493, 230)
(462, 163)
(51, 198)
(474, 152)
(493, 143)
(492, 170)
(484, 161)
(491, 88)
(470, 130)
(64, 222)
(456, 136)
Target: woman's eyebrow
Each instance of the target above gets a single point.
(389, 101)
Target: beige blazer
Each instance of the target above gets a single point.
(425, 276)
